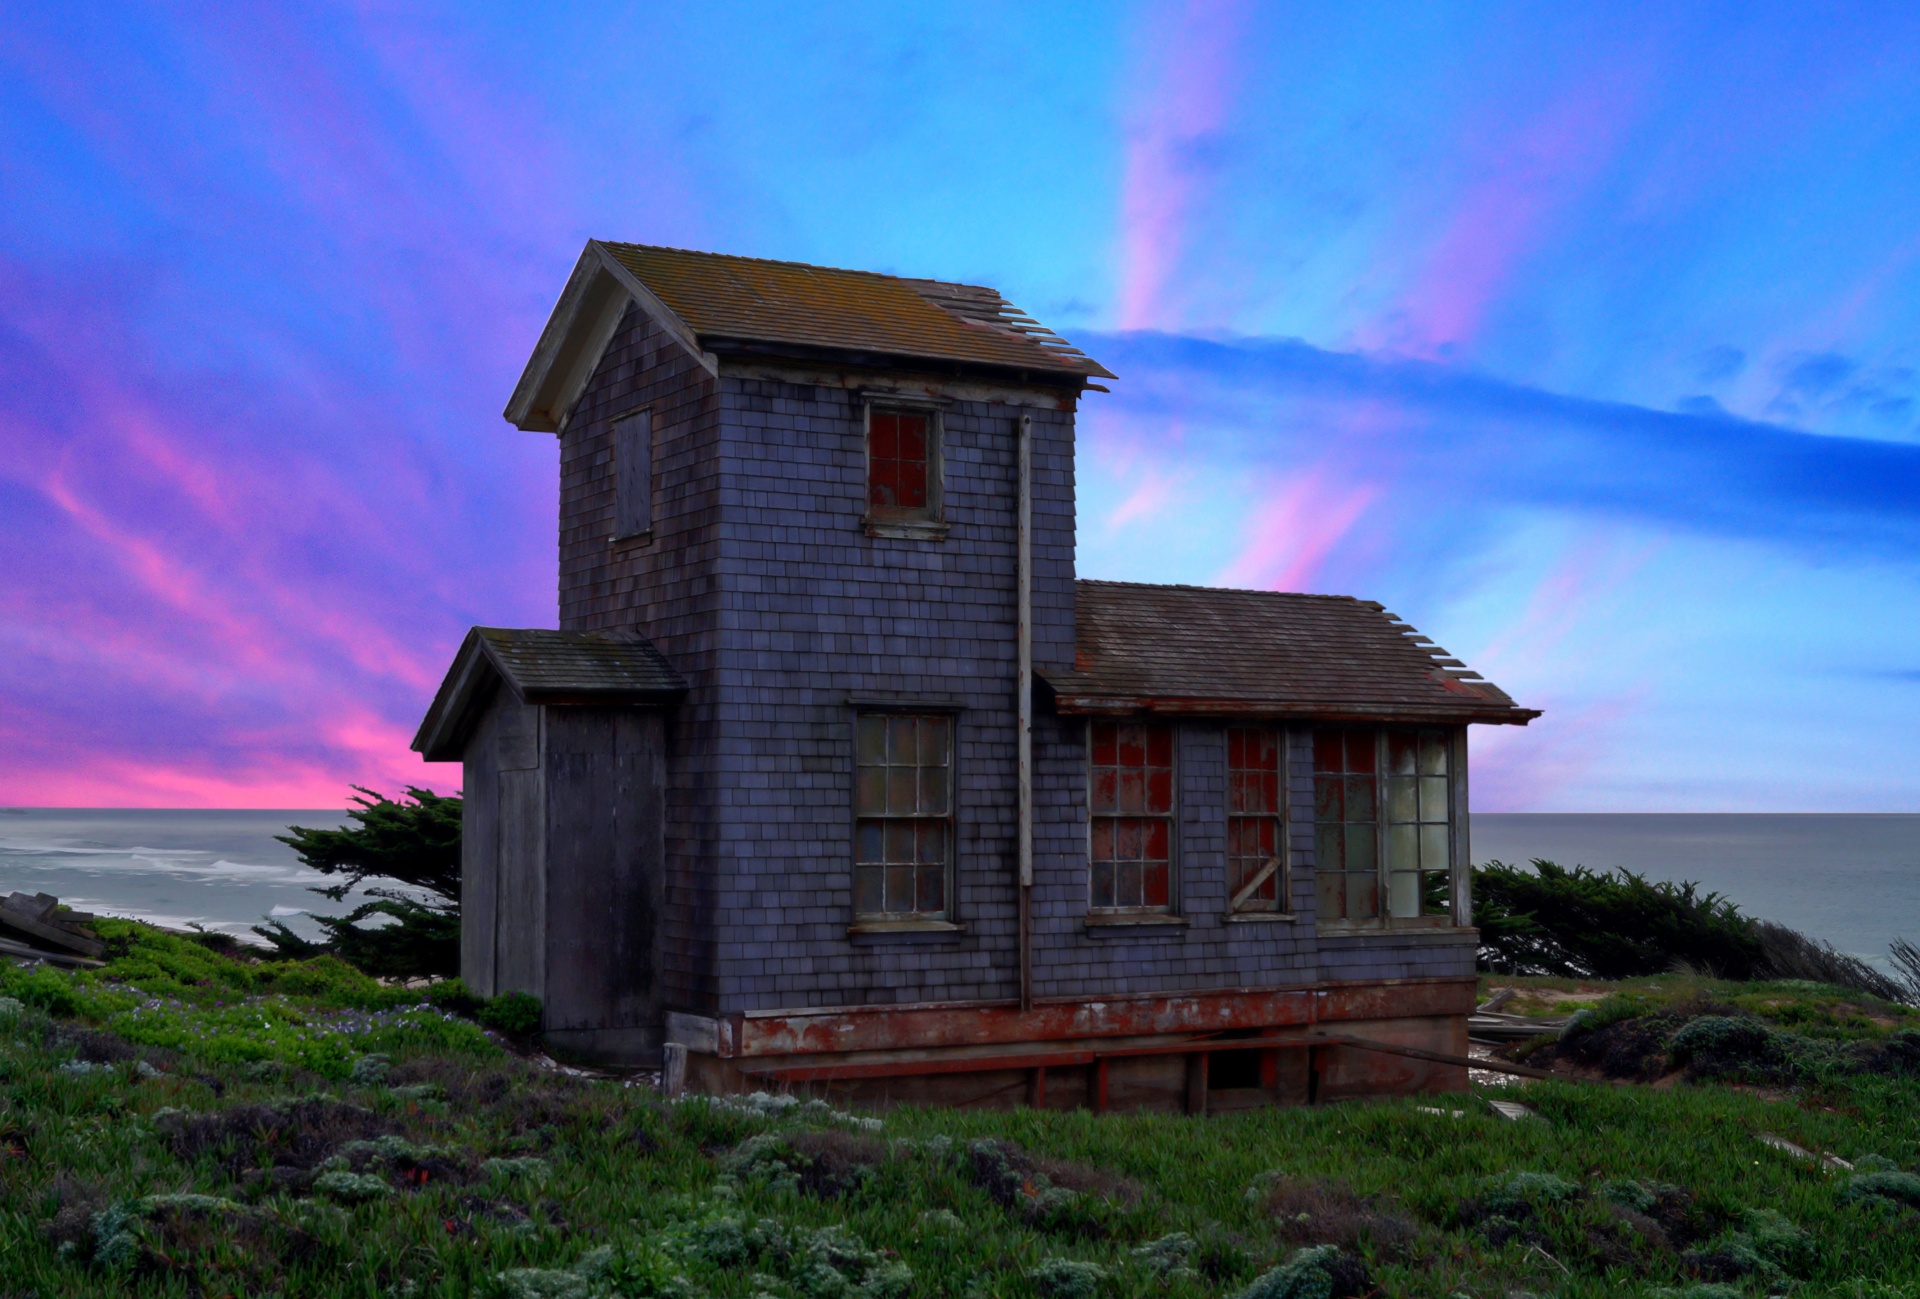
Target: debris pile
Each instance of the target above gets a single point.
(35, 927)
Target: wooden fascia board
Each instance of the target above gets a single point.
(444, 729)
(576, 336)
(1072, 703)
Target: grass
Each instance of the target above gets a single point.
(138, 1157)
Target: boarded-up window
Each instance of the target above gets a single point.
(903, 816)
(900, 464)
(1256, 829)
(1346, 824)
(633, 475)
(1419, 824)
(1131, 774)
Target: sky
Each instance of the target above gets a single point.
(1585, 338)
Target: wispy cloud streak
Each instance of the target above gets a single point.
(1191, 51)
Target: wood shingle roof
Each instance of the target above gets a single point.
(726, 299)
(1210, 652)
(542, 666)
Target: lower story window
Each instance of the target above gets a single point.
(1256, 820)
(1383, 823)
(903, 816)
(1130, 769)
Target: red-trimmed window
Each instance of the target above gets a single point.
(903, 816)
(1131, 771)
(1256, 820)
(899, 459)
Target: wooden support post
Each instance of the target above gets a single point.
(1097, 1084)
(1269, 1071)
(1197, 1082)
(1037, 1089)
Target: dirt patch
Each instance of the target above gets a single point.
(1332, 1213)
(1009, 1174)
(74, 1204)
(1633, 1049)
(834, 1163)
(297, 1135)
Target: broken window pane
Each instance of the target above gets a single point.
(1254, 831)
(1403, 894)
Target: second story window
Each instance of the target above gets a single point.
(1131, 851)
(633, 475)
(903, 472)
(1256, 820)
(903, 816)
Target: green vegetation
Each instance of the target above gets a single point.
(296, 1128)
(1552, 920)
(413, 841)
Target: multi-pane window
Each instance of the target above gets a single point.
(899, 464)
(1131, 858)
(1383, 818)
(903, 816)
(1256, 826)
(1419, 824)
(1346, 824)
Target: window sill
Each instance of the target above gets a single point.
(1124, 920)
(1262, 918)
(869, 928)
(905, 530)
(631, 540)
(1335, 929)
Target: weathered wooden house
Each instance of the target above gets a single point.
(833, 774)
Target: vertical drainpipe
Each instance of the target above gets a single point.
(1023, 740)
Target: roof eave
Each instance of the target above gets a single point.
(1054, 376)
(576, 336)
(1082, 703)
(474, 673)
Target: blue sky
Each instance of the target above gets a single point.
(1584, 340)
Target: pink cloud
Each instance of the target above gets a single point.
(1575, 590)
(1530, 176)
(1550, 764)
(1293, 531)
(1193, 51)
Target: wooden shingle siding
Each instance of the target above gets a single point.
(667, 588)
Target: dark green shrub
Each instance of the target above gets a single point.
(1579, 923)
(514, 1013)
(413, 841)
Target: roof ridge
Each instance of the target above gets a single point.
(805, 266)
(1227, 590)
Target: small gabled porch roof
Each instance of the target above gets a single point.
(1205, 651)
(542, 666)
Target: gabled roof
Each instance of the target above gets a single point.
(1204, 651)
(715, 303)
(541, 667)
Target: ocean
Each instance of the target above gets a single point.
(175, 867)
(1853, 880)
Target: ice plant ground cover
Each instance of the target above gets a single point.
(182, 1123)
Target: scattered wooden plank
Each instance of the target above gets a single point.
(21, 923)
(1494, 1002)
(1802, 1153)
(1512, 1111)
(34, 906)
(1438, 1057)
(22, 952)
